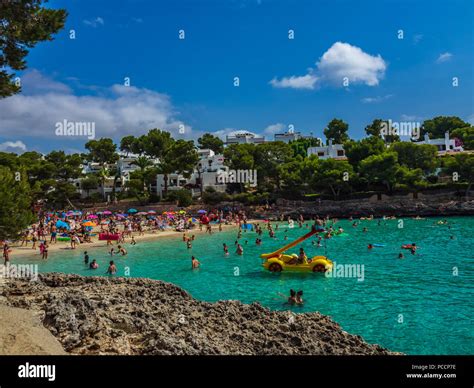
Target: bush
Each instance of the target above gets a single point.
(213, 197)
(183, 197)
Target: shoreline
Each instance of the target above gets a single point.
(18, 251)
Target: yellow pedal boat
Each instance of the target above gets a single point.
(278, 261)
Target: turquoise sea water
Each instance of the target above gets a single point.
(414, 305)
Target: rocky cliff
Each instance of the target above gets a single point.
(98, 315)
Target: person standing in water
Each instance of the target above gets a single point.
(240, 250)
(195, 263)
(112, 270)
(86, 258)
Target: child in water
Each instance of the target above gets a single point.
(226, 249)
(93, 265)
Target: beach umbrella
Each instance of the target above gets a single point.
(132, 210)
(122, 215)
(62, 224)
(182, 212)
(92, 216)
(107, 212)
(202, 211)
(151, 212)
(98, 213)
(142, 213)
(89, 223)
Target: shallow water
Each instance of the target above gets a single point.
(415, 305)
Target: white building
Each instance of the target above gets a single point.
(444, 145)
(287, 136)
(207, 171)
(244, 137)
(331, 151)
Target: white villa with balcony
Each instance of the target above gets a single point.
(331, 151)
(445, 145)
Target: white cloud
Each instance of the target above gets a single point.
(307, 81)
(444, 57)
(344, 60)
(13, 146)
(377, 99)
(274, 128)
(96, 22)
(33, 82)
(117, 111)
(340, 61)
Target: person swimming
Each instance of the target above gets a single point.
(112, 270)
(299, 297)
(226, 249)
(93, 264)
(189, 245)
(195, 263)
(292, 297)
(295, 297)
(400, 255)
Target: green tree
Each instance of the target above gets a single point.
(466, 135)
(333, 174)
(412, 178)
(22, 25)
(102, 151)
(180, 158)
(142, 162)
(15, 204)
(336, 131)
(437, 126)
(414, 156)
(461, 166)
(268, 157)
(300, 146)
(126, 144)
(379, 128)
(90, 182)
(356, 151)
(296, 174)
(183, 197)
(157, 143)
(212, 142)
(381, 168)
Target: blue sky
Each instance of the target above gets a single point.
(190, 82)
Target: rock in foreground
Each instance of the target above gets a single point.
(98, 315)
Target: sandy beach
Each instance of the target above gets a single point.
(27, 251)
